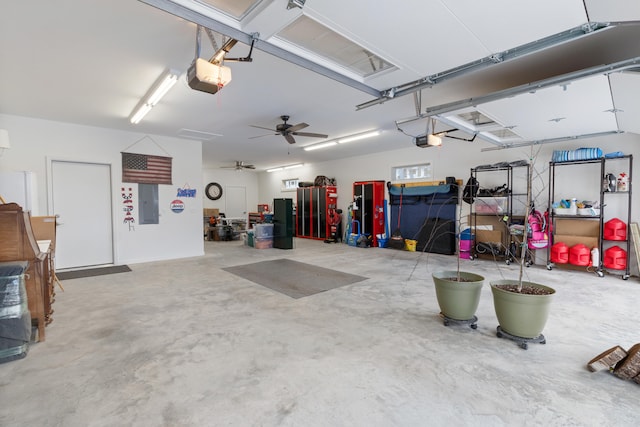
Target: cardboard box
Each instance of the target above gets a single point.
(577, 227)
(207, 212)
(570, 240)
(492, 236)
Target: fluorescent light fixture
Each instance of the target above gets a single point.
(140, 113)
(319, 146)
(154, 95)
(359, 137)
(280, 168)
(168, 82)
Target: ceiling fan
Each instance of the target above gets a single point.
(239, 166)
(287, 130)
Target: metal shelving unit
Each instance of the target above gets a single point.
(605, 198)
(506, 216)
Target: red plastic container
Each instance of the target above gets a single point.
(580, 255)
(615, 229)
(615, 258)
(560, 253)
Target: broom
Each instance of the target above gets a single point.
(397, 241)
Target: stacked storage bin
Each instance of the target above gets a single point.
(466, 243)
(15, 320)
(615, 257)
(263, 236)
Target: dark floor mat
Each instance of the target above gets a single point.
(293, 278)
(89, 272)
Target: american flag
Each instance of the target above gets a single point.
(145, 169)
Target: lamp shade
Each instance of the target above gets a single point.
(4, 139)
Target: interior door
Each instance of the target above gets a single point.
(81, 197)
(236, 202)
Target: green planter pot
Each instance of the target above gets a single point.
(521, 315)
(458, 300)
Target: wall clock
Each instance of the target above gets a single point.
(213, 191)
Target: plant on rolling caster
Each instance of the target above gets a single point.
(458, 292)
(522, 307)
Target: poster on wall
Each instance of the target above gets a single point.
(177, 206)
(127, 207)
(186, 191)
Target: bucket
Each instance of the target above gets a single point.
(466, 245)
(382, 243)
(560, 253)
(615, 229)
(410, 245)
(466, 234)
(580, 255)
(615, 258)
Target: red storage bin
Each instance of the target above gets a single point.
(580, 255)
(560, 253)
(615, 258)
(615, 229)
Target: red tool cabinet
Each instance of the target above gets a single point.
(369, 207)
(313, 210)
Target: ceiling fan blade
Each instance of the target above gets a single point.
(315, 135)
(248, 166)
(262, 127)
(289, 138)
(260, 136)
(297, 127)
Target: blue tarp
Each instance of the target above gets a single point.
(419, 190)
(428, 215)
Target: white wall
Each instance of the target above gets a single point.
(34, 142)
(456, 158)
(234, 178)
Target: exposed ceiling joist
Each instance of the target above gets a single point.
(553, 81)
(491, 60)
(207, 22)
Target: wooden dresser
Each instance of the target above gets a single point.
(18, 243)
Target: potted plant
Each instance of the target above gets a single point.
(458, 292)
(522, 307)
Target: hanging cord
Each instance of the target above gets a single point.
(400, 208)
(150, 139)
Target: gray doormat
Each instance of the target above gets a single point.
(293, 278)
(90, 272)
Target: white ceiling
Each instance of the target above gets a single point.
(89, 62)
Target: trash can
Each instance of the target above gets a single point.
(15, 319)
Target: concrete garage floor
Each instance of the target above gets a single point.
(184, 343)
